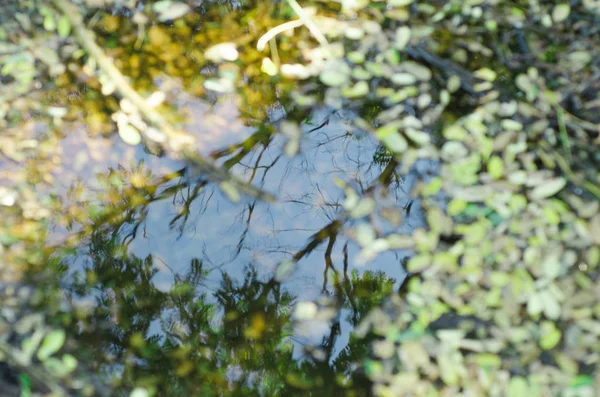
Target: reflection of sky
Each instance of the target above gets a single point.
(304, 185)
(218, 231)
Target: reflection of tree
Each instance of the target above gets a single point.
(190, 352)
(131, 203)
(235, 340)
(189, 341)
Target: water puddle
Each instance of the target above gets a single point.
(155, 270)
(195, 221)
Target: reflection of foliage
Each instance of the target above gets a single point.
(123, 204)
(369, 290)
(245, 329)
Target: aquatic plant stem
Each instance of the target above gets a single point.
(314, 30)
(274, 52)
(262, 42)
(180, 143)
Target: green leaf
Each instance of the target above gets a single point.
(56, 367)
(518, 387)
(561, 12)
(389, 136)
(432, 187)
(25, 385)
(402, 37)
(485, 74)
(359, 89)
(291, 147)
(333, 78)
(222, 52)
(49, 22)
(268, 67)
(511, 125)
(455, 133)
(356, 57)
(139, 392)
(16, 61)
(399, 3)
(418, 263)
(130, 135)
(517, 202)
(64, 26)
(365, 234)
(551, 305)
(384, 349)
(373, 368)
(168, 10)
(548, 189)
(550, 335)
(403, 79)
(363, 208)
(52, 343)
(495, 167)
(421, 72)
(582, 381)
(453, 83)
(395, 142)
(456, 206)
(421, 138)
(354, 33)
(488, 360)
(551, 266)
(448, 368)
(551, 215)
(453, 150)
(29, 345)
